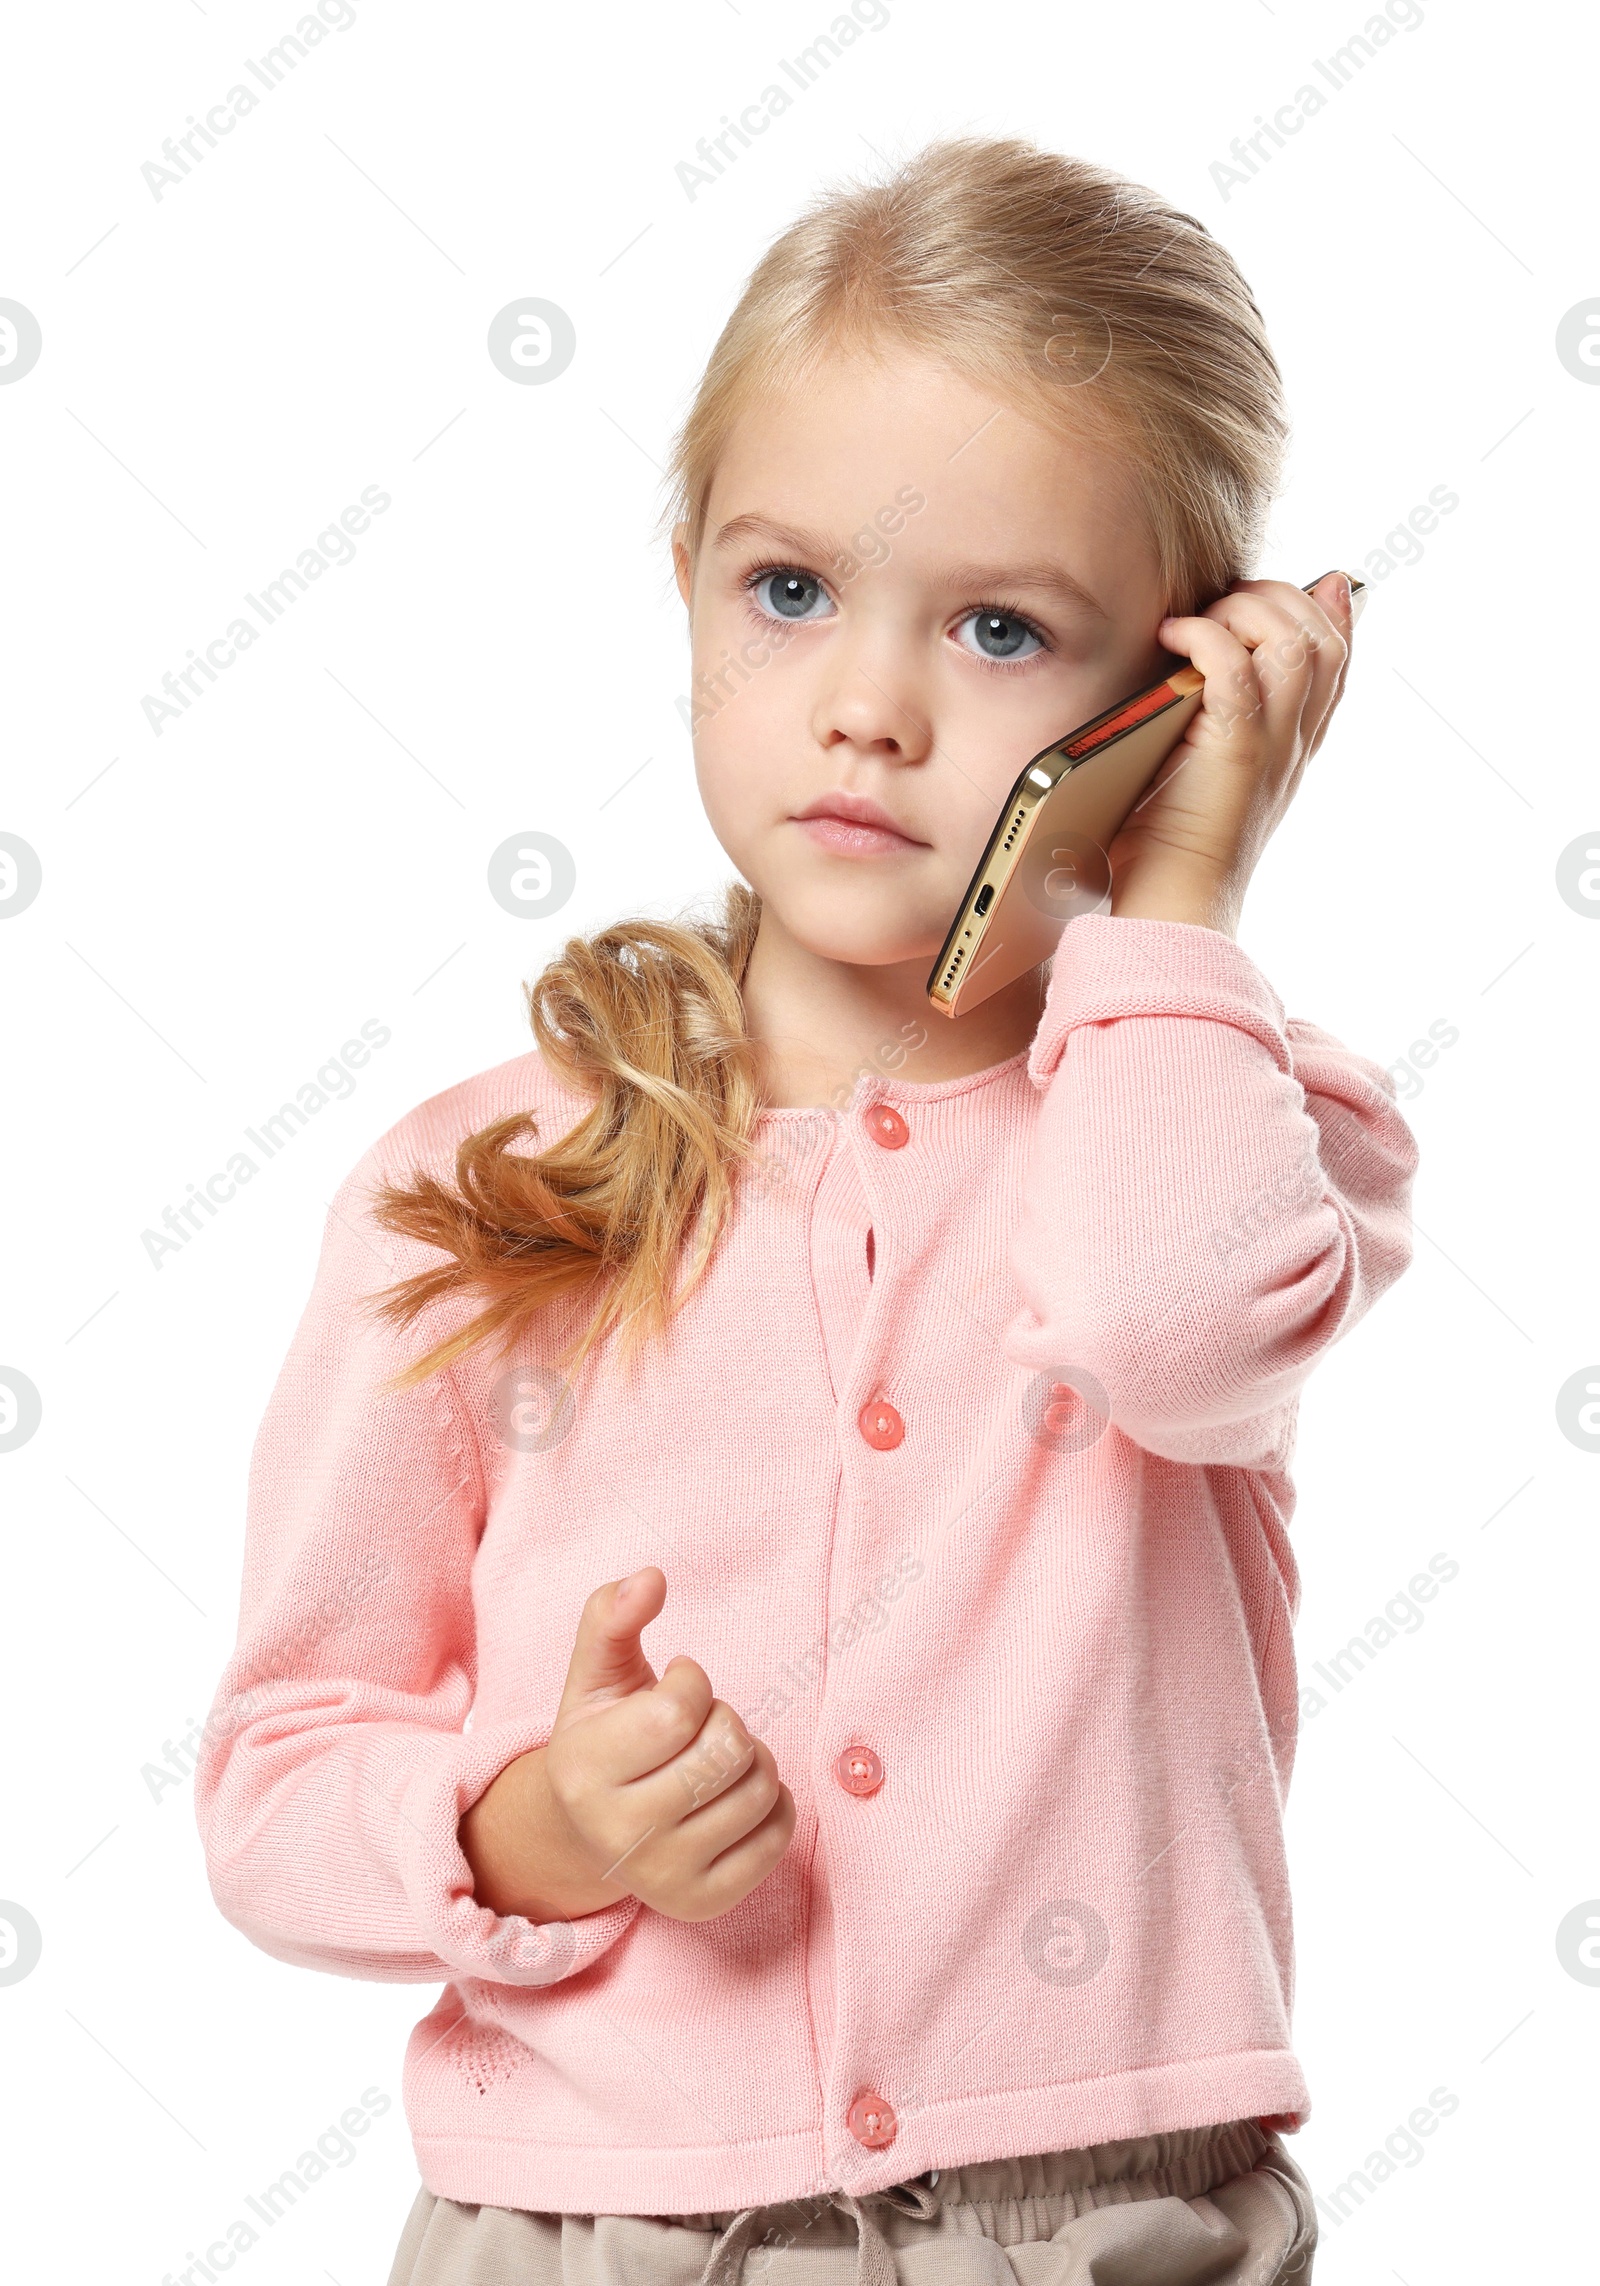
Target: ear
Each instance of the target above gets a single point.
(682, 564)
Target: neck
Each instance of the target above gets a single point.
(819, 1023)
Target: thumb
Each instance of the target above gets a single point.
(608, 1660)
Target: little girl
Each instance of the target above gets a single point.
(926, 1389)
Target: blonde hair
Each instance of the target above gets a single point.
(1083, 299)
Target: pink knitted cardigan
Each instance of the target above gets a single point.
(967, 1466)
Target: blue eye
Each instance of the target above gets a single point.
(791, 595)
(999, 635)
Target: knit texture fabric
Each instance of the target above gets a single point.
(1057, 1611)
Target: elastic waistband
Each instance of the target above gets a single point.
(1015, 2200)
(1183, 2163)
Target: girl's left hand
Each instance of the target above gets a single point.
(1274, 659)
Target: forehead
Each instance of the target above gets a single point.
(827, 450)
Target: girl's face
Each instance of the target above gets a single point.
(904, 590)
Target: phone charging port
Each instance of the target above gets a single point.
(985, 898)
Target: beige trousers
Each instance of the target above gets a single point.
(1202, 2206)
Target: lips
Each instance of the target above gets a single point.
(852, 824)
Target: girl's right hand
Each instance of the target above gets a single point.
(646, 1788)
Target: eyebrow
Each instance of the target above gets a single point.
(741, 528)
(1039, 579)
(974, 579)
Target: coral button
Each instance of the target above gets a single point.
(871, 2120)
(858, 1770)
(881, 1425)
(885, 1126)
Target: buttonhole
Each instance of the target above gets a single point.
(871, 1252)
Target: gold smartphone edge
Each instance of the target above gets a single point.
(1008, 843)
(1021, 811)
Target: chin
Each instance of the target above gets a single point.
(861, 936)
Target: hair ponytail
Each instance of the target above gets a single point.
(645, 1017)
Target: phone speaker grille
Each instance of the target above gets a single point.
(1015, 829)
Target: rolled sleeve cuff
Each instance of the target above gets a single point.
(1105, 967)
(503, 1948)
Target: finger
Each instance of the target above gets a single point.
(612, 1743)
(742, 1806)
(715, 1759)
(740, 1868)
(1283, 630)
(1316, 630)
(608, 1660)
(1326, 611)
(700, 1804)
(1282, 651)
(651, 1734)
(1232, 693)
(1333, 593)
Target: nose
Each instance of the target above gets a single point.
(871, 700)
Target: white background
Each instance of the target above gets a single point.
(224, 369)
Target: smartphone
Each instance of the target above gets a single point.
(1046, 862)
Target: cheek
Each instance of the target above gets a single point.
(989, 734)
(723, 788)
(752, 708)
(733, 652)
(738, 751)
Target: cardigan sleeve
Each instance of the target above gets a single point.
(334, 1765)
(1216, 1193)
